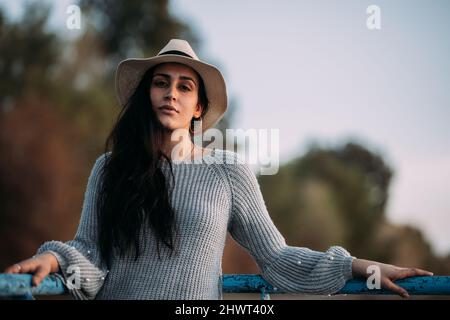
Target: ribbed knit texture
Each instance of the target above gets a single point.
(210, 198)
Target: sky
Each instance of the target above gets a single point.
(313, 70)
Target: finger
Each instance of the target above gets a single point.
(11, 269)
(388, 284)
(26, 267)
(40, 274)
(15, 268)
(411, 272)
(421, 272)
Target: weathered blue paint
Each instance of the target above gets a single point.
(244, 283)
(234, 283)
(435, 285)
(18, 286)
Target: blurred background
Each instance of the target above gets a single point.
(363, 114)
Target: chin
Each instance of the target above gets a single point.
(167, 123)
(170, 126)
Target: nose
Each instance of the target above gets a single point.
(171, 93)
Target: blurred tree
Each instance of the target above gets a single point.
(338, 196)
(41, 181)
(403, 245)
(28, 55)
(134, 28)
(330, 196)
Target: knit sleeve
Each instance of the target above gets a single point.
(81, 268)
(288, 268)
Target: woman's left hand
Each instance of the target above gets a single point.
(388, 274)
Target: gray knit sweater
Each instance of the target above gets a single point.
(218, 195)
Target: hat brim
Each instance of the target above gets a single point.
(130, 71)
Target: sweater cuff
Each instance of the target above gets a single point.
(62, 262)
(347, 267)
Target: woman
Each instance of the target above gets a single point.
(154, 224)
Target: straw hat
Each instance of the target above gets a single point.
(130, 71)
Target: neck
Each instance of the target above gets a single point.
(178, 146)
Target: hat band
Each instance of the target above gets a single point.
(180, 53)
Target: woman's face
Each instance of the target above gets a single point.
(174, 95)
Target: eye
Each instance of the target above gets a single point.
(185, 88)
(159, 83)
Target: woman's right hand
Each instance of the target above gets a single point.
(41, 266)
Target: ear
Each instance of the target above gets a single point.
(198, 110)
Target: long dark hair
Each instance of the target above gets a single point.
(134, 193)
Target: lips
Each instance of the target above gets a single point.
(168, 108)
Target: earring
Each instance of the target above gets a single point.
(196, 126)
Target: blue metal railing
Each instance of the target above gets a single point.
(18, 286)
(248, 283)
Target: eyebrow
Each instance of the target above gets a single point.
(181, 77)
